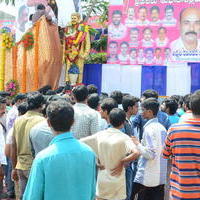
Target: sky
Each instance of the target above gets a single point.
(10, 9)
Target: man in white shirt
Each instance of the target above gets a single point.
(116, 30)
(187, 46)
(147, 40)
(141, 57)
(130, 21)
(162, 40)
(158, 56)
(149, 57)
(169, 19)
(86, 119)
(124, 56)
(112, 147)
(133, 56)
(134, 37)
(155, 14)
(142, 16)
(112, 50)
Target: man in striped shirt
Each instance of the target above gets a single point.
(183, 147)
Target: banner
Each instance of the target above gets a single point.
(59, 10)
(154, 32)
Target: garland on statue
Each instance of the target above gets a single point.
(73, 41)
(12, 87)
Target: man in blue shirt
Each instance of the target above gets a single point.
(65, 170)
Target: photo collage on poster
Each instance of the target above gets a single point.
(153, 34)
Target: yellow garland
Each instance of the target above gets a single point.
(2, 65)
(78, 38)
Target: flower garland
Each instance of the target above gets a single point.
(73, 41)
(7, 40)
(12, 87)
(28, 41)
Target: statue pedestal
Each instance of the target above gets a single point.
(73, 79)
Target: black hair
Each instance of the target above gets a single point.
(126, 43)
(169, 7)
(40, 7)
(44, 89)
(186, 100)
(93, 101)
(151, 104)
(117, 117)
(160, 28)
(149, 49)
(147, 28)
(35, 100)
(150, 94)
(31, 17)
(59, 90)
(60, 115)
(143, 7)
(108, 104)
(22, 108)
(117, 96)
(92, 89)
(155, 8)
(133, 49)
(19, 96)
(113, 42)
(134, 29)
(117, 12)
(50, 92)
(171, 105)
(195, 103)
(2, 100)
(129, 101)
(80, 92)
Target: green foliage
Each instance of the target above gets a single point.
(100, 45)
(96, 58)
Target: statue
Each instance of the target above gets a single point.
(77, 45)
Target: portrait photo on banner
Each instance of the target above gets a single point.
(154, 32)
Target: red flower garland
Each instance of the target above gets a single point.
(28, 41)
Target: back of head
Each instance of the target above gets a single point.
(19, 97)
(22, 108)
(40, 7)
(44, 89)
(108, 104)
(129, 101)
(60, 115)
(80, 93)
(2, 100)
(35, 100)
(186, 101)
(93, 101)
(171, 105)
(150, 94)
(151, 104)
(195, 103)
(117, 117)
(117, 96)
(92, 89)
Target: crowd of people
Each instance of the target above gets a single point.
(76, 144)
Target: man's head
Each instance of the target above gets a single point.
(2, 106)
(133, 53)
(117, 96)
(112, 47)
(155, 12)
(106, 106)
(149, 94)
(116, 17)
(141, 53)
(131, 13)
(35, 101)
(19, 98)
(142, 13)
(124, 48)
(93, 101)
(169, 12)
(22, 108)
(40, 7)
(92, 89)
(22, 17)
(162, 31)
(75, 18)
(186, 102)
(158, 52)
(149, 53)
(117, 117)
(60, 116)
(169, 106)
(134, 34)
(190, 24)
(147, 34)
(149, 108)
(130, 104)
(167, 52)
(80, 93)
